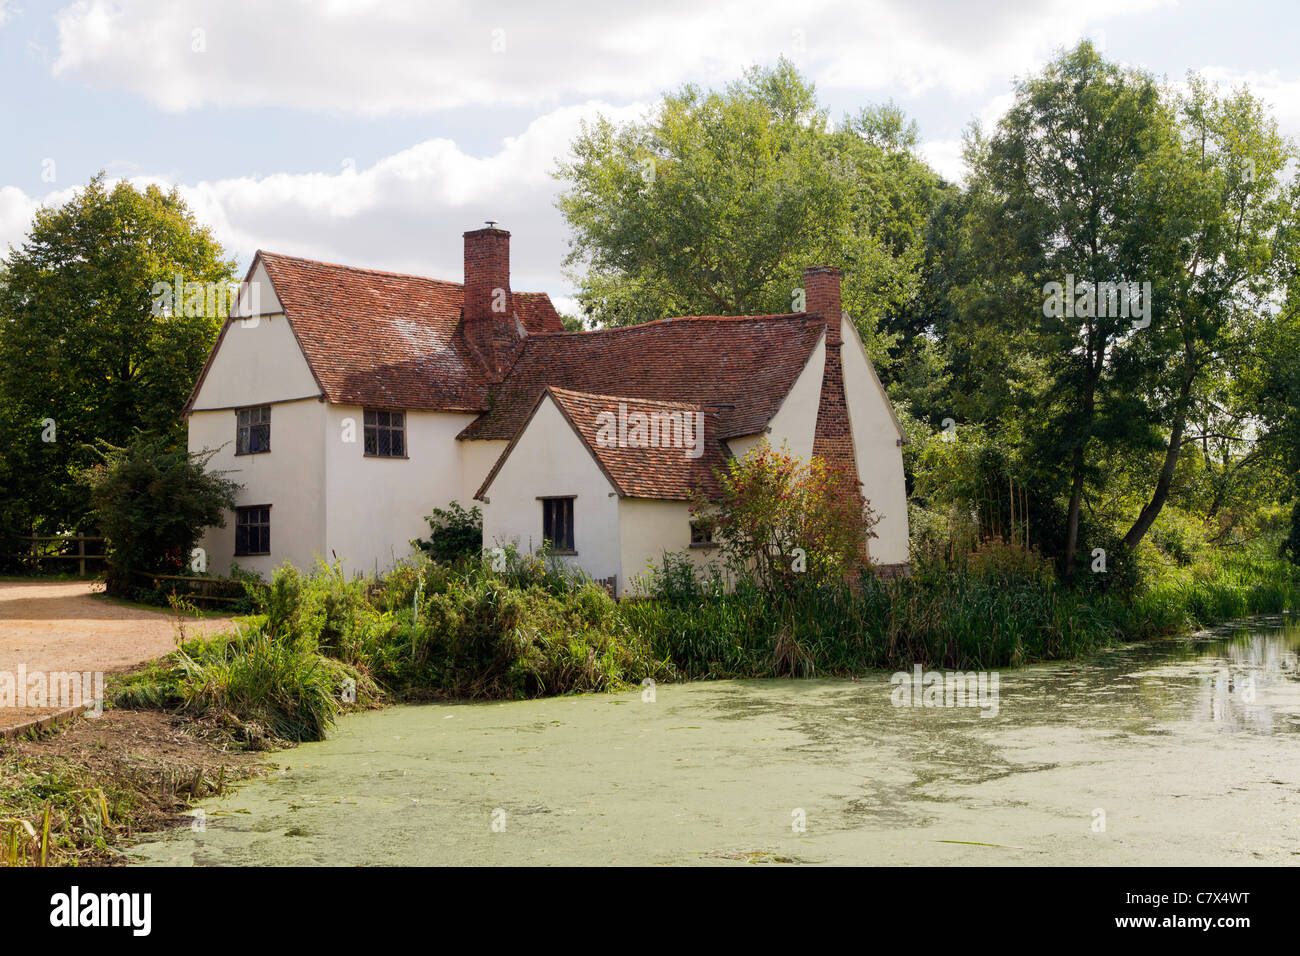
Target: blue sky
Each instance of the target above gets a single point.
(374, 132)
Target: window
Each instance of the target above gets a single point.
(253, 432)
(557, 523)
(385, 434)
(701, 534)
(253, 530)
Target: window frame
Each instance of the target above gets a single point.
(569, 545)
(386, 429)
(704, 530)
(246, 428)
(243, 510)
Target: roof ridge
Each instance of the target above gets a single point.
(370, 271)
(687, 318)
(691, 406)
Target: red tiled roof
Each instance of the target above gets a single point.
(536, 312)
(740, 367)
(391, 340)
(663, 471)
(387, 339)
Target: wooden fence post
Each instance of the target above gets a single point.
(81, 554)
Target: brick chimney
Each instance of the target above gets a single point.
(833, 436)
(821, 286)
(491, 329)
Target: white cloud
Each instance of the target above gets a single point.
(405, 213)
(944, 155)
(404, 56)
(17, 211)
(1283, 95)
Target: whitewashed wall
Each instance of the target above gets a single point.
(648, 529)
(376, 506)
(880, 457)
(476, 460)
(289, 478)
(550, 460)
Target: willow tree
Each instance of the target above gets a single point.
(1128, 231)
(1221, 211)
(715, 203)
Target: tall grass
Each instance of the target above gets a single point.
(1219, 588)
(465, 630)
(953, 618)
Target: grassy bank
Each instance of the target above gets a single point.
(191, 723)
(69, 797)
(324, 644)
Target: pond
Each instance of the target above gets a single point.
(1181, 751)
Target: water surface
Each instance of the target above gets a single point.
(1186, 750)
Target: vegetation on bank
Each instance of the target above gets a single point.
(71, 795)
(431, 630)
(183, 727)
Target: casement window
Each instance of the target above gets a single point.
(557, 523)
(253, 430)
(701, 534)
(253, 530)
(385, 434)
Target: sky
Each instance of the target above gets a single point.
(375, 132)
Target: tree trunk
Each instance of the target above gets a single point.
(1076, 502)
(1152, 509)
(1077, 459)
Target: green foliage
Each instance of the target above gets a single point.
(152, 500)
(265, 681)
(82, 348)
(267, 688)
(1291, 545)
(716, 204)
(787, 522)
(433, 630)
(1101, 173)
(454, 533)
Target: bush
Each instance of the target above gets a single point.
(152, 501)
(262, 681)
(454, 533)
(464, 630)
(263, 687)
(787, 522)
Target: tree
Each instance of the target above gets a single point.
(1225, 243)
(716, 203)
(1116, 237)
(1062, 198)
(93, 342)
(153, 500)
(1271, 386)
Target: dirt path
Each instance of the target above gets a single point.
(53, 626)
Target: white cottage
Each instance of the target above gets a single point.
(350, 402)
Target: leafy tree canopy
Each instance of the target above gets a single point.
(716, 203)
(90, 347)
